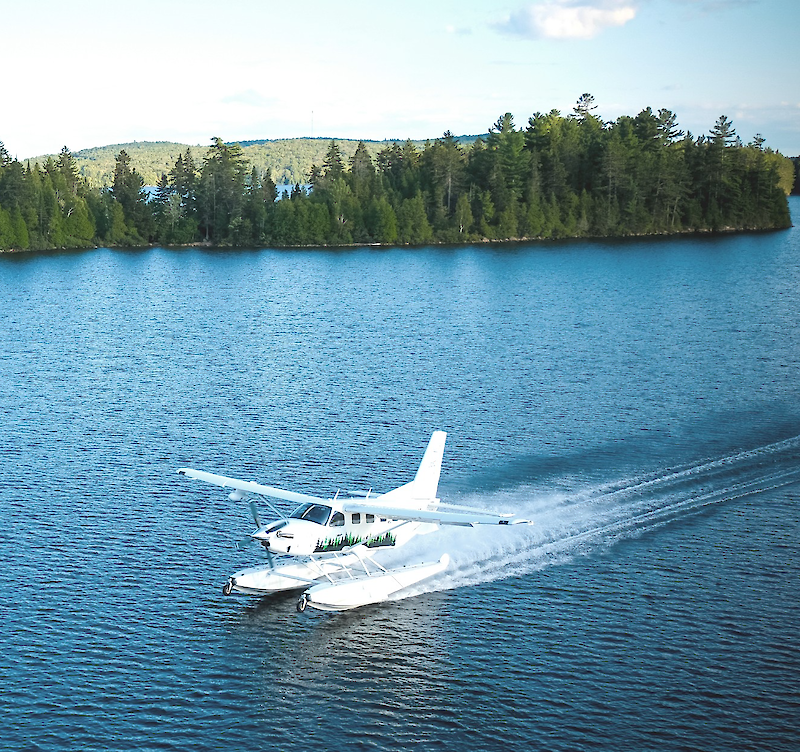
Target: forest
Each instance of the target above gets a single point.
(287, 161)
(559, 177)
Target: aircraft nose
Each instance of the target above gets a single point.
(260, 535)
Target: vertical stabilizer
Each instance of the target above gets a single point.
(426, 480)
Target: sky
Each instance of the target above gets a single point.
(92, 72)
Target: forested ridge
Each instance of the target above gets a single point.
(560, 176)
(287, 161)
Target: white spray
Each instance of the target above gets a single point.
(581, 522)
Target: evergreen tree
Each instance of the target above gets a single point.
(584, 107)
(445, 170)
(69, 170)
(508, 164)
(12, 184)
(412, 222)
(221, 189)
(667, 127)
(362, 172)
(333, 166)
(183, 178)
(128, 190)
(163, 190)
(381, 221)
(259, 205)
(723, 132)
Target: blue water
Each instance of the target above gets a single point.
(639, 400)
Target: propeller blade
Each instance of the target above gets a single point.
(254, 512)
(269, 558)
(241, 545)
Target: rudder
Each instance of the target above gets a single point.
(426, 481)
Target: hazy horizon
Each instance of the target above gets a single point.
(185, 72)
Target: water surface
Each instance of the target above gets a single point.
(638, 400)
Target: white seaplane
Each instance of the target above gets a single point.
(329, 547)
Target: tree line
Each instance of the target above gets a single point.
(560, 176)
(286, 161)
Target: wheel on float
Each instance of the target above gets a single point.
(227, 587)
(302, 603)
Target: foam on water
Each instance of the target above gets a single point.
(588, 519)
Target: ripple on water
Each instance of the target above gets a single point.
(638, 402)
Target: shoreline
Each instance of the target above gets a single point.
(481, 241)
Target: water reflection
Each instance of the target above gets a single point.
(386, 665)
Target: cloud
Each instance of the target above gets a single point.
(568, 19)
(716, 5)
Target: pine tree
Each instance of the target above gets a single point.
(333, 166)
(412, 222)
(445, 165)
(723, 132)
(69, 170)
(128, 191)
(362, 171)
(584, 107)
(667, 127)
(221, 188)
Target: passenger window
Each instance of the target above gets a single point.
(337, 520)
(357, 518)
(369, 518)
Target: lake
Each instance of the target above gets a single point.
(638, 399)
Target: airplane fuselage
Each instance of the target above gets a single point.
(319, 528)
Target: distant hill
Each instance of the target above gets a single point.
(287, 160)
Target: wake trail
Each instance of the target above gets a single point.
(589, 519)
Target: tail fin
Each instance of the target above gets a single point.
(426, 480)
(422, 490)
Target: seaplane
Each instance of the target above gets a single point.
(332, 548)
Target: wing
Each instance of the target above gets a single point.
(464, 517)
(250, 486)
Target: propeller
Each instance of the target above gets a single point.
(257, 520)
(249, 541)
(241, 545)
(254, 513)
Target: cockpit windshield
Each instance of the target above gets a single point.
(318, 513)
